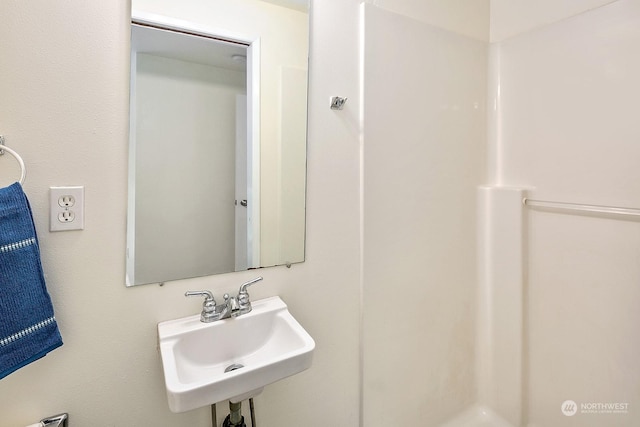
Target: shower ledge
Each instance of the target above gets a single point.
(477, 416)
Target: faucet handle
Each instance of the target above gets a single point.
(244, 286)
(209, 313)
(207, 294)
(243, 295)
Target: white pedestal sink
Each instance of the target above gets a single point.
(268, 344)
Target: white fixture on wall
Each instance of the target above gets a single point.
(66, 208)
(206, 362)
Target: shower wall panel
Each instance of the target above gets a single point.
(569, 131)
(423, 157)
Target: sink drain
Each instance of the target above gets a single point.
(233, 367)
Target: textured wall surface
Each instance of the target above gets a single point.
(64, 86)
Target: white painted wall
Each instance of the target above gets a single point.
(65, 110)
(185, 168)
(293, 166)
(423, 152)
(569, 131)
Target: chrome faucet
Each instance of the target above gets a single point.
(210, 311)
(231, 307)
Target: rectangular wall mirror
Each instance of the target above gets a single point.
(217, 144)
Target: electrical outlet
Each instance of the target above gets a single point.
(66, 201)
(66, 208)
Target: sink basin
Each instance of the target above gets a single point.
(255, 349)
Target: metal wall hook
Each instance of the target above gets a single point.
(23, 169)
(337, 102)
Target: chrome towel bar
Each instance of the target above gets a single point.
(578, 207)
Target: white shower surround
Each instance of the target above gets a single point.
(542, 69)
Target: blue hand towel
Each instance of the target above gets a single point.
(28, 328)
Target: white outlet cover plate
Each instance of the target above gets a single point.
(55, 208)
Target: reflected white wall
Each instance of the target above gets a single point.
(186, 125)
(274, 25)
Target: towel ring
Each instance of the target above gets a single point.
(23, 169)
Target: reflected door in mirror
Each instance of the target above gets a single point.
(217, 163)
